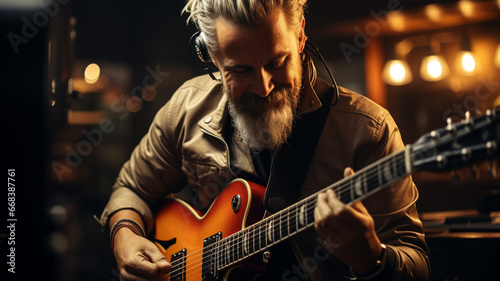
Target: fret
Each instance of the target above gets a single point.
(241, 245)
(229, 249)
(293, 219)
(251, 240)
(216, 254)
(277, 228)
(379, 175)
(310, 211)
(224, 259)
(262, 236)
(387, 172)
(373, 181)
(351, 189)
(237, 237)
(233, 250)
(228, 258)
(302, 217)
(402, 167)
(285, 224)
(394, 166)
(270, 232)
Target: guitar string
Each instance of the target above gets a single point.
(340, 190)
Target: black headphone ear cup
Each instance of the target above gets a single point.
(202, 49)
(199, 53)
(199, 49)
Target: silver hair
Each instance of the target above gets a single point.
(204, 13)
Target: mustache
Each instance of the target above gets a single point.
(276, 99)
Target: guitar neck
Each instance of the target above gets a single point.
(300, 216)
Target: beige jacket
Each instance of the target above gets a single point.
(185, 147)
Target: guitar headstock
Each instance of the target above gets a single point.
(458, 144)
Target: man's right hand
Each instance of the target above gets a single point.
(138, 258)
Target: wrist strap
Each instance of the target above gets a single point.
(128, 223)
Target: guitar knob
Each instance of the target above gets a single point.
(236, 203)
(266, 256)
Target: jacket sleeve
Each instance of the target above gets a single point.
(153, 170)
(396, 220)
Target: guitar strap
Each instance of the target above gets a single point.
(292, 160)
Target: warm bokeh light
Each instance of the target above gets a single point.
(434, 68)
(397, 72)
(149, 93)
(467, 62)
(497, 56)
(134, 104)
(466, 7)
(396, 20)
(92, 72)
(433, 12)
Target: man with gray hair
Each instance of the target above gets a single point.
(215, 130)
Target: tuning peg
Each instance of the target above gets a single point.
(441, 161)
(490, 114)
(491, 147)
(449, 125)
(468, 120)
(466, 154)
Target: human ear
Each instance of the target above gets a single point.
(302, 36)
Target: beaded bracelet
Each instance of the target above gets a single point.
(128, 223)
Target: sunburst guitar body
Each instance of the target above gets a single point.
(189, 238)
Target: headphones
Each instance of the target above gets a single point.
(199, 53)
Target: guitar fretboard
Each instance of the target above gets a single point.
(300, 216)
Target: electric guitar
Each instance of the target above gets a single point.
(215, 244)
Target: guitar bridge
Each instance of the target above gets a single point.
(210, 257)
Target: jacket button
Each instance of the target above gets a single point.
(208, 119)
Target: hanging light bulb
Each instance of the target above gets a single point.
(466, 63)
(434, 66)
(92, 72)
(397, 72)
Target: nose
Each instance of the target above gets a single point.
(262, 84)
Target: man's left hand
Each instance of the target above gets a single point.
(348, 230)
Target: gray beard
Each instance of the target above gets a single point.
(271, 126)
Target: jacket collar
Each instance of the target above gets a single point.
(309, 100)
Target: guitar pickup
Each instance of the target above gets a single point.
(178, 261)
(210, 257)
